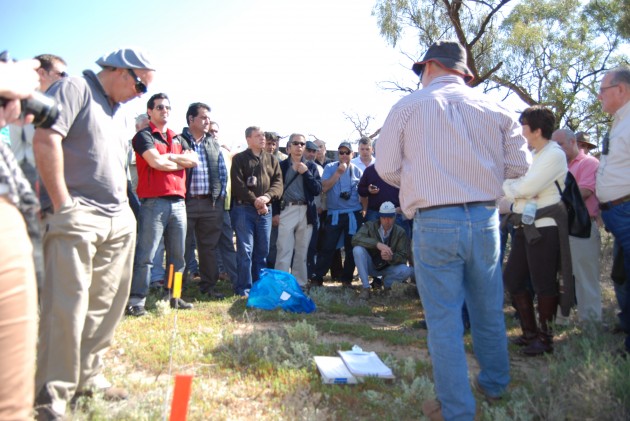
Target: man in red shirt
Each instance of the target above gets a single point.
(161, 159)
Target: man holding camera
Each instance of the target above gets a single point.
(340, 181)
(89, 229)
(381, 249)
(256, 181)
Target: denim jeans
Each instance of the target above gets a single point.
(158, 217)
(158, 273)
(456, 254)
(617, 220)
(390, 274)
(252, 244)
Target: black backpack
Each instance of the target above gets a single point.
(579, 219)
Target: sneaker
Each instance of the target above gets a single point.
(180, 304)
(432, 409)
(135, 311)
(377, 283)
(364, 294)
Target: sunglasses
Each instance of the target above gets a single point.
(140, 87)
(344, 153)
(161, 107)
(299, 143)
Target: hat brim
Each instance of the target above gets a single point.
(446, 63)
(588, 145)
(387, 215)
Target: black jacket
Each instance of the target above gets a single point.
(312, 187)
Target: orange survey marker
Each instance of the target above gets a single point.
(181, 396)
(170, 276)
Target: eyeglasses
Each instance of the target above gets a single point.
(140, 87)
(603, 88)
(161, 107)
(344, 152)
(605, 143)
(299, 143)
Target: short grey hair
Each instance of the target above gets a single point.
(620, 74)
(568, 133)
(141, 117)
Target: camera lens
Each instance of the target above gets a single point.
(43, 108)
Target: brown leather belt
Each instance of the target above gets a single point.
(608, 205)
(296, 203)
(482, 203)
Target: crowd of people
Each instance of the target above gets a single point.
(451, 163)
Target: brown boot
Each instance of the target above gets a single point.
(547, 307)
(525, 307)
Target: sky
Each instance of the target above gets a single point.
(284, 65)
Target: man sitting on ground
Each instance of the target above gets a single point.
(380, 249)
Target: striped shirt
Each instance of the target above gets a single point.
(449, 144)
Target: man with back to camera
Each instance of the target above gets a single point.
(256, 181)
(584, 251)
(162, 158)
(205, 196)
(302, 183)
(451, 198)
(612, 187)
(90, 229)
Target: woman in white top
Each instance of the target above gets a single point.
(536, 257)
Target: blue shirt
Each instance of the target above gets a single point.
(348, 182)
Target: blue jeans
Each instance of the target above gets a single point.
(456, 254)
(252, 244)
(617, 220)
(158, 217)
(158, 273)
(390, 274)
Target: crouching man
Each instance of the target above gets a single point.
(380, 248)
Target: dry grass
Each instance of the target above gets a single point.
(257, 365)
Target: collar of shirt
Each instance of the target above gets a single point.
(622, 113)
(384, 235)
(443, 80)
(169, 133)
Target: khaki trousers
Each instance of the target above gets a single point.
(294, 234)
(18, 316)
(88, 262)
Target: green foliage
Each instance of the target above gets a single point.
(550, 52)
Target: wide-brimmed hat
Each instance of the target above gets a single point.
(126, 58)
(449, 54)
(387, 210)
(585, 139)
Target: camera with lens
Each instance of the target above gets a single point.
(41, 106)
(345, 195)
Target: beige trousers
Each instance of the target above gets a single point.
(18, 316)
(294, 234)
(88, 259)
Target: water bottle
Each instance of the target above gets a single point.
(529, 213)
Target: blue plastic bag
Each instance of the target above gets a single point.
(276, 288)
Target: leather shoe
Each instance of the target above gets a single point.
(180, 304)
(135, 311)
(478, 388)
(432, 409)
(211, 293)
